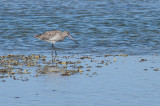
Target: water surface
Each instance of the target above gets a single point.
(108, 27)
(115, 84)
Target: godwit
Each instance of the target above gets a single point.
(53, 37)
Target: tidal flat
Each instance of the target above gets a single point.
(79, 80)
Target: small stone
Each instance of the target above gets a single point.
(143, 60)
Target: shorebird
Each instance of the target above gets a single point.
(53, 37)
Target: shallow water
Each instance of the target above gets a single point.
(108, 27)
(117, 84)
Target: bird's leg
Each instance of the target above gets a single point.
(52, 53)
(55, 52)
(52, 48)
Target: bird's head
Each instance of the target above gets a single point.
(68, 34)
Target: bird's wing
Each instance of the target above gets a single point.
(52, 33)
(49, 34)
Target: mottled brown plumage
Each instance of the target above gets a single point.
(53, 37)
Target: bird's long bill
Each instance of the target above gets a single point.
(72, 39)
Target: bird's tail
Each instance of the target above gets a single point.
(36, 36)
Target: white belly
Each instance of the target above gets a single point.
(53, 39)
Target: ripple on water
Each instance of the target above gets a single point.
(112, 27)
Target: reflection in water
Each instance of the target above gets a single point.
(50, 70)
(56, 70)
(53, 57)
